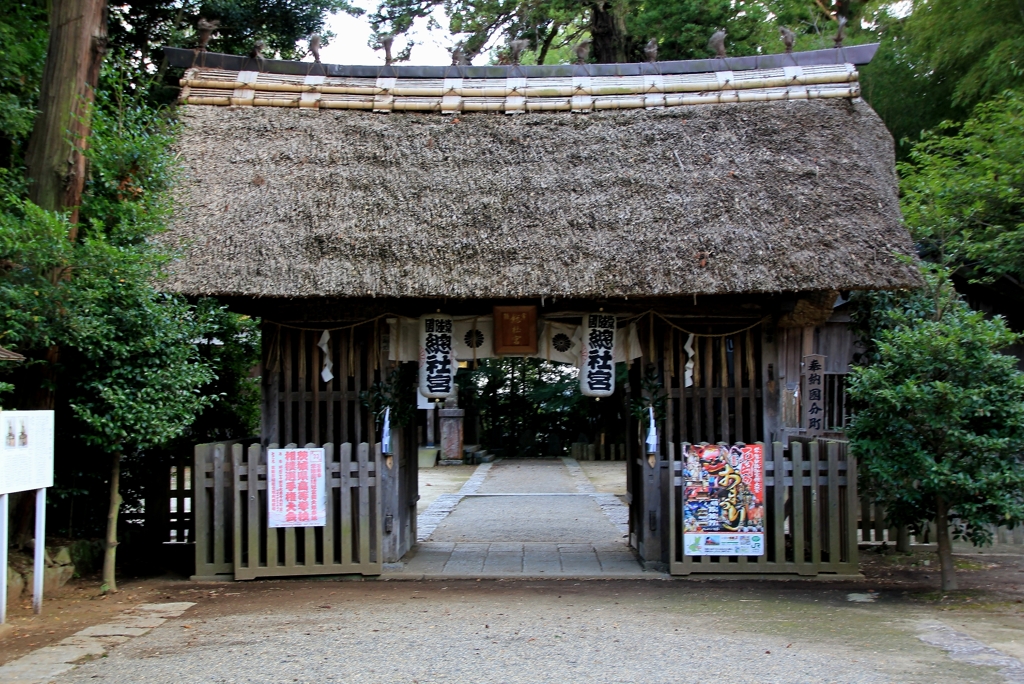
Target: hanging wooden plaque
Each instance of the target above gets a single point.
(515, 329)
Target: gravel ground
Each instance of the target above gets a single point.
(493, 631)
(533, 476)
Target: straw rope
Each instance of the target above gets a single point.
(622, 318)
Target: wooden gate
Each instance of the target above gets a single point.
(232, 537)
(810, 514)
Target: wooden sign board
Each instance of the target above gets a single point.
(515, 330)
(813, 401)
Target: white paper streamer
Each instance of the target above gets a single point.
(652, 434)
(385, 439)
(324, 344)
(688, 373)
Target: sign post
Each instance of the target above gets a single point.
(814, 394)
(26, 464)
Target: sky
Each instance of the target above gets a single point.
(349, 45)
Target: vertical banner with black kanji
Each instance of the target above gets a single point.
(814, 394)
(597, 370)
(296, 488)
(437, 360)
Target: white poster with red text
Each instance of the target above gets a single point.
(296, 488)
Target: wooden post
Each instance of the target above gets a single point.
(270, 382)
(770, 385)
(3, 558)
(38, 567)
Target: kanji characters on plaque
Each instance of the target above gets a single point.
(597, 372)
(814, 394)
(296, 488)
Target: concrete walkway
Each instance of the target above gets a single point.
(522, 518)
(44, 664)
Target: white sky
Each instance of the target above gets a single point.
(349, 45)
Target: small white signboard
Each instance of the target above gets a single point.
(26, 463)
(296, 488)
(26, 450)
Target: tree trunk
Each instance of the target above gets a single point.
(543, 54)
(110, 548)
(55, 159)
(945, 545)
(902, 539)
(608, 32)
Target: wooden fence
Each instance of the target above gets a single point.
(582, 451)
(874, 529)
(230, 508)
(810, 514)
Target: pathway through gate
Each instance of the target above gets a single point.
(525, 518)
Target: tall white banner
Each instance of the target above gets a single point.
(597, 370)
(296, 488)
(437, 360)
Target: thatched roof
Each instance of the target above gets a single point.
(704, 199)
(8, 355)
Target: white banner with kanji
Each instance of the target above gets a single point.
(296, 488)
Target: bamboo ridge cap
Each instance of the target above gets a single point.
(637, 88)
(565, 103)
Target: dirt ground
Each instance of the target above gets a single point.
(441, 480)
(989, 606)
(521, 630)
(77, 605)
(608, 477)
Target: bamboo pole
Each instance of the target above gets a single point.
(688, 84)
(639, 102)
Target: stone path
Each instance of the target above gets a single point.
(46, 663)
(523, 518)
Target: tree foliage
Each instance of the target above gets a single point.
(963, 190)
(940, 60)
(620, 29)
(976, 45)
(23, 36)
(939, 423)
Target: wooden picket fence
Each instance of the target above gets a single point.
(810, 514)
(874, 529)
(581, 451)
(230, 509)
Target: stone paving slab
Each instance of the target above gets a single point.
(502, 559)
(43, 664)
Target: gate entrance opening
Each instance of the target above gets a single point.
(532, 506)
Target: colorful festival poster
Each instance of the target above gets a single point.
(296, 488)
(723, 500)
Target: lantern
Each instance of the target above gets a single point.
(437, 360)
(597, 374)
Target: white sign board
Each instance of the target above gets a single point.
(26, 450)
(296, 488)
